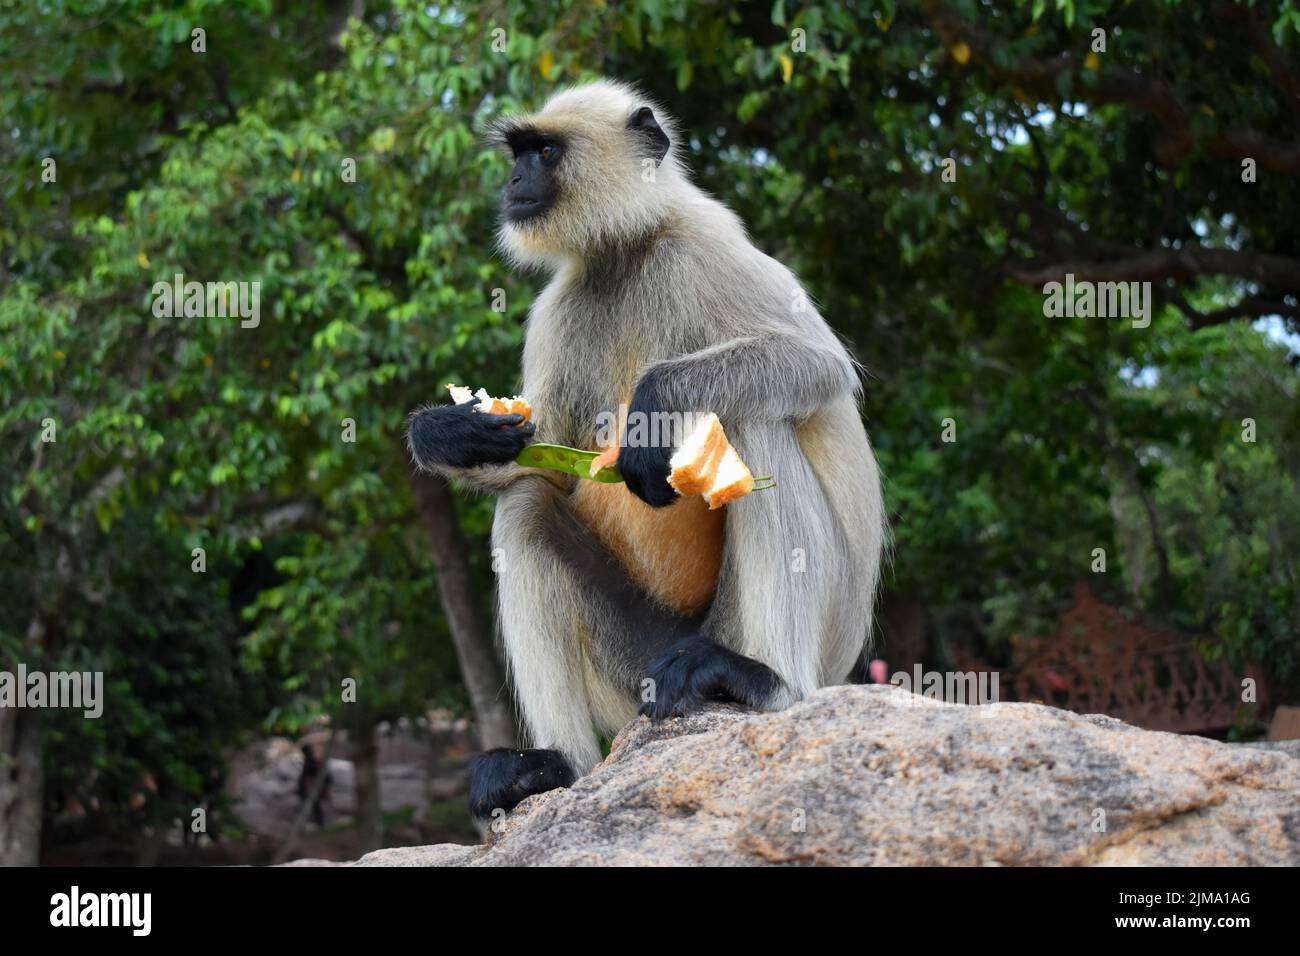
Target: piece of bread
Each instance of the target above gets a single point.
(696, 460)
(706, 464)
(731, 480)
(606, 458)
(487, 403)
(460, 394)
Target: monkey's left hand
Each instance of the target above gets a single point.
(645, 467)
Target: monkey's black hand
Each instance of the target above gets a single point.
(459, 436)
(502, 778)
(695, 670)
(645, 467)
(646, 472)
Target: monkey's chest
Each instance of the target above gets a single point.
(581, 391)
(675, 553)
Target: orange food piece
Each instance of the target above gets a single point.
(707, 464)
(732, 479)
(520, 407)
(696, 461)
(490, 404)
(606, 458)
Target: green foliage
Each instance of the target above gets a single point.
(172, 694)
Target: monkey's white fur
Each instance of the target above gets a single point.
(651, 274)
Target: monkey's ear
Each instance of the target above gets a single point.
(644, 124)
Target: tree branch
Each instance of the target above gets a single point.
(1251, 307)
(1159, 264)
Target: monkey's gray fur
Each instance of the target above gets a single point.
(652, 277)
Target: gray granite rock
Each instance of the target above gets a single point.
(875, 775)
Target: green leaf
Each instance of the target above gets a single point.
(684, 74)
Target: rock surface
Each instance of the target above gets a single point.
(875, 775)
(417, 765)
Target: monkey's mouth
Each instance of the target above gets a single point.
(523, 208)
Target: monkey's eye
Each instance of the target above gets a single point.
(549, 154)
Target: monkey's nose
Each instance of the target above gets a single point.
(515, 180)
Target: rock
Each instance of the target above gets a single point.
(1291, 747)
(415, 768)
(313, 861)
(263, 785)
(442, 854)
(876, 775)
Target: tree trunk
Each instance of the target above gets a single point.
(482, 672)
(22, 772)
(365, 775)
(1152, 587)
(22, 786)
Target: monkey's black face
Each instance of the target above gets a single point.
(533, 188)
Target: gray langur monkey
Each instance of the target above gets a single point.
(618, 595)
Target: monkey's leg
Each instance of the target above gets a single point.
(786, 558)
(582, 638)
(541, 610)
(667, 659)
(793, 571)
(800, 569)
(569, 619)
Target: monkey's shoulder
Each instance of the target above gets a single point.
(683, 286)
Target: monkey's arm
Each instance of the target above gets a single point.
(768, 378)
(500, 477)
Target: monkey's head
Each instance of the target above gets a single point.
(596, 166)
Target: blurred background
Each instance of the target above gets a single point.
(296, 633)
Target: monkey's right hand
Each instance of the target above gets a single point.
(499, 779)
(460, 436)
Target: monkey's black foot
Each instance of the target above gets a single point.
(696, 670)
(502, 778)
